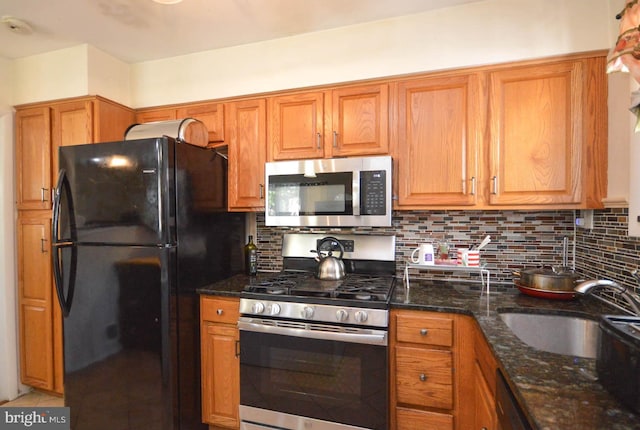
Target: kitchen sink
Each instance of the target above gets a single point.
(559, 334)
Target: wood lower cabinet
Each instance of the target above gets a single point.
(246, 131)
(220, 361)
(39, 366)
(430, 370)
(41, 129)
(484, 377)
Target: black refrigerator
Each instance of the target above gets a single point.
(138, 227)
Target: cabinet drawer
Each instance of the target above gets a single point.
(409, 419)
(424, 377)
(220, 310)
(424, 330)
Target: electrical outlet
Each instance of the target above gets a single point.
(585, 220)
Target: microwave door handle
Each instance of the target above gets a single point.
(356, 193)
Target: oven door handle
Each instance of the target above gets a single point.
(369, 337)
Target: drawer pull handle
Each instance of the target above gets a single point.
(424, 332)
(423, 377)
(219, 311)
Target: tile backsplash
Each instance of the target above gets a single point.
(519, 240)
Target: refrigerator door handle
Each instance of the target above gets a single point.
(58, 245)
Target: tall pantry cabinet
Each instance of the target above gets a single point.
(41, 129)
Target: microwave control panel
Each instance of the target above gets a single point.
(373, 191)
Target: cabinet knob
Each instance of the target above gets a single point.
(423, 377)
(318, 140)
(335, 139)
(43, 248)
(494, 185)
(473, 185)
(219, 311)
(424, 332)
(43, 194)
(261, 191)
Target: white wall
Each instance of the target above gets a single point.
(479, 33)
(50, 76)
(8, 325)
(108, 76)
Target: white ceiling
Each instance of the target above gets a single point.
(141, 30)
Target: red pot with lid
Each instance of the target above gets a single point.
(548, 283)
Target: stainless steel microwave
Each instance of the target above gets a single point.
(337, 192)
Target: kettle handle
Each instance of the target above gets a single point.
(332, 239)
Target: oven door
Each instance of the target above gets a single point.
(295, 372)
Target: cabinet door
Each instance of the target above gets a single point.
(35, 300)
(535, 126)
(247, 154)
(485, 409)
(439, 137)
(296, 126)
(72, 125)
(220, 375)
(211, 114)
(152, 115)
(360, 121)
(33, 159)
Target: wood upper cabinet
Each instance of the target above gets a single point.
(43, 128)
(536, 143)
(547, 127)
(360, 121)
(33, 158)
(156, 114)
(348, 121)
(296, 126)
(211, 114)
(246, 131)
(220, 361)
(439, 137)
(35, 301)
(72, 125)
(518, 136)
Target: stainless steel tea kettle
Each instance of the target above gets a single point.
(330, 268)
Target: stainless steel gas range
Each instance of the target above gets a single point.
(314, 353)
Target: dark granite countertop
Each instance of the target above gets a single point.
(556, 392)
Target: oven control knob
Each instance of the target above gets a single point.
(273, 309)
(342, 315)
(307, 312)
(361, 316)
(257, 308)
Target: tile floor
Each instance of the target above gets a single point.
(35, 399)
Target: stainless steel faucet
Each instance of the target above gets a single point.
(587, 287)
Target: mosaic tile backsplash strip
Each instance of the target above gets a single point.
(519, 240)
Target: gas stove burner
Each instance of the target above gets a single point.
(275, 290)
(363, 296)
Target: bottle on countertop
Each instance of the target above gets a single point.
(251, 257)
